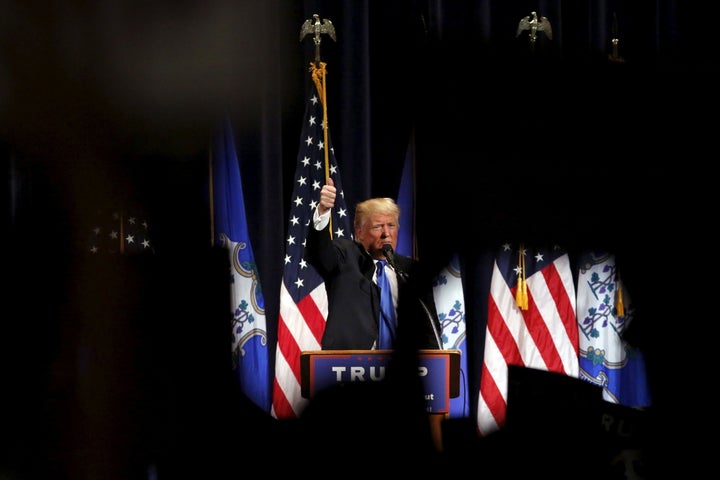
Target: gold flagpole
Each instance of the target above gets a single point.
(212, 197)
(122, 234)
(316, 28)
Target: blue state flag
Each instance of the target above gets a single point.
(450, 304)
(604, 312)
(406, 202)
(249, 331)
(447, 286)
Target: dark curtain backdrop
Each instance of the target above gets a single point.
(111, 105)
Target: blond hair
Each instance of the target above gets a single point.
(383, 205)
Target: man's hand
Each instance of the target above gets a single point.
(327, 197)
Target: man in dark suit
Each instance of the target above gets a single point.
(348, 268)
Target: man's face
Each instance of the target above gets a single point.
(379, 230)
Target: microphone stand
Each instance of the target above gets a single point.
(402, 278)
(432, 323)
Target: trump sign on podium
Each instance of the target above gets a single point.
(438, 369)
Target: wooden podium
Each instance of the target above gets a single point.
(439, 371)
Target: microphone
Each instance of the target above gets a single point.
(390, 256)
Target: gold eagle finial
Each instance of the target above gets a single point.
(315, 28)
(534, 25)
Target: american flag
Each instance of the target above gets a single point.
(250, 356)
(543, 336)
(447, 285)
(119, 233)
(303, 300)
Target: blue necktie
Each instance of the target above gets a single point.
(387, 309)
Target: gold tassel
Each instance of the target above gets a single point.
(318, 73)
(318, 76)
(519, 293)
(521, 297)
(619, 306)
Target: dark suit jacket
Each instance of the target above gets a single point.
(354, 299)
